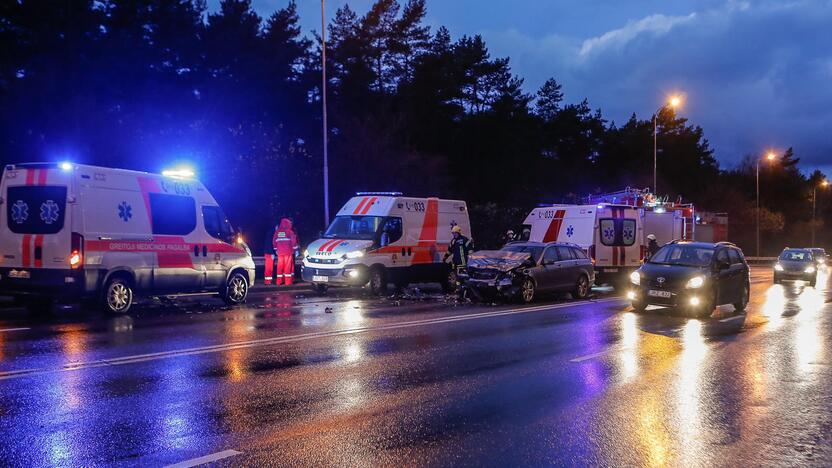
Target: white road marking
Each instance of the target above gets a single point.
(591, 356)
(14, 329)
(206, 459)
(288, 339)
(736, 317)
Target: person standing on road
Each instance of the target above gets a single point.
(268, 257)
(285, 243)
(459, 249)
(652, 245)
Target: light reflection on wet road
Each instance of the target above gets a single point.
(423, 381)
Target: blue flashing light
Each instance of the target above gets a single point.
(659, 210)
(382, 194)
(66, 166)
(600, 207)
(179, 173)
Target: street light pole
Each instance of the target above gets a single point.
(673, 102)
(323, 101)
(770, 156)
(823, 184)
(758, 208)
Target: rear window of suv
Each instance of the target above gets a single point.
(36, 209)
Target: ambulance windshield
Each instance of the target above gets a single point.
(354, 227)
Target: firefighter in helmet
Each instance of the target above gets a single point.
(652, 245)
(459, 249)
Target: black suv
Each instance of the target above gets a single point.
(695, 276)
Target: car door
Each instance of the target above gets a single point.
(569, 270)
(221, 238)
(549, 276)
(738, 274)
(726, 278)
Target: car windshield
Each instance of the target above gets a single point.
(796, 256)
(354, 227)
(535, 251)
(685, 255)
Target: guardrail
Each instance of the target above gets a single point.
(760, 260)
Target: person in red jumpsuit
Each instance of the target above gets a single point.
(268, 256)
(285, 243)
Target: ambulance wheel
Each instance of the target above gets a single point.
(528, 290)
(582, 288)
(320, 289)
(378, 281)
(118, 296)
(236, 290)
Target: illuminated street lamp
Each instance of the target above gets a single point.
(823, 184)
(769, 157)
(673, 103)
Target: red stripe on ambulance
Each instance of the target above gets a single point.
(368, 205)
(27, 250)
(426, 245)
(553, 231)
(360, 205)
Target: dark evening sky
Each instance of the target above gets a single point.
(756, 74)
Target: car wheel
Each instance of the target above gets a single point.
(639, 306)
(582, 288)
(743, 303)
(528, 290)
(118, 296)
(320, 289)
(378, 281)
(707, 308)
(813, 282)
(776, 280)
(236, 290)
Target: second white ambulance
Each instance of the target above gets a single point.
(74, 231)
(381, 238)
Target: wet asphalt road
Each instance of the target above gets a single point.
(348, 380)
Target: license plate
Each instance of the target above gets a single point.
(19, 274)
(610, 270)
(320, 279)
(654, 293)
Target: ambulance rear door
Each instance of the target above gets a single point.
(36, 220)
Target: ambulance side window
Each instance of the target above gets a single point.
(172, 215)
(391, 232)
(628, 231)
(608, 231)
(216, 224)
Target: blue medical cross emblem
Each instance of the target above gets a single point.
(20, 212)
(49, 212)
(569, 231)
(125, 211)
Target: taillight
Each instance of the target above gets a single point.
(76, 256)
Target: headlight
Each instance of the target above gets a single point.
(635, 278)
(355, 254)
(306, 253)
(778, 267)
(809, 269)
(696, 282)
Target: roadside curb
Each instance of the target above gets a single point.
(260, 287)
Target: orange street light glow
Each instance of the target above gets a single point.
(771, 156)
(675, 101)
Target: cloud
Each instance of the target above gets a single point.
(654, 24)
(756, 74)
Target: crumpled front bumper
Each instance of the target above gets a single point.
(499, 287)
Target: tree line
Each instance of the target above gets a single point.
(143, 84)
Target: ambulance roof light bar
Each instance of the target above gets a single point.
(378, 194)
(180, 173)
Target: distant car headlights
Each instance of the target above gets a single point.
(695, 283)
(778, 267)
(635, 278)
(810, 269)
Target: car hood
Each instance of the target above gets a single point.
(795, 265)
(498, 260)
(673, 274)
(334, 248)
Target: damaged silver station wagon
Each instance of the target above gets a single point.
(525, 270)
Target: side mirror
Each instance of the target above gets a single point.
(722, 265)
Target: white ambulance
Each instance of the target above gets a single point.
(381, 238)
(71, 230)
(613, 235)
